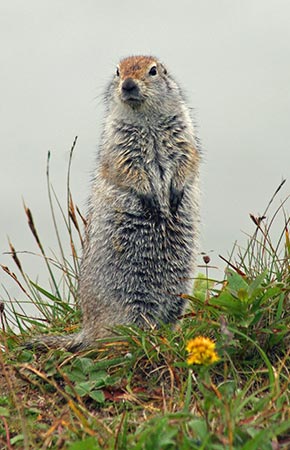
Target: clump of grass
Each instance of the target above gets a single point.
(219, 380)
(55, 304)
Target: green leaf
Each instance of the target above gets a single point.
(236, 281)
(230, 305)
(76, 375)
(34, 411)
(59, 303)
(243, 294)
(262, 437)
(228, 388)
(201, 287)
(84, 364)
(84, 388)
(4, 412)
(257, 283)
(98, 396)
(106, 363)
(89, 443)
(271, 292)
(199, 427)
(46, 293)
(17, 438)
(99, 376)
(26, 356)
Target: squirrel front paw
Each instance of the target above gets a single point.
(150, 205)
(175, 197)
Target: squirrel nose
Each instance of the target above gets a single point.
(129, 86)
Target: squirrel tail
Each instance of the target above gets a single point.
(70, 342)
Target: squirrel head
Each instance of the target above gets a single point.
(142, 83)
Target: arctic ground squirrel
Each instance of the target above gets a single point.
(143, 215)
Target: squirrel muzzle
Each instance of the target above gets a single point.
(130, 92)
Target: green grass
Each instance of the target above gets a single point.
(137, 391)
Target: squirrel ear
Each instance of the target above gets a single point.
(164, 69)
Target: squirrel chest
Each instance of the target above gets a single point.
(146, 158)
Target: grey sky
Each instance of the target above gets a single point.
(231, 57)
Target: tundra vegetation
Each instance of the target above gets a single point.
(219, 380)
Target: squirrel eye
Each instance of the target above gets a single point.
(153, 71)
(117, 72)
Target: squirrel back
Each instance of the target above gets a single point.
(141, 237)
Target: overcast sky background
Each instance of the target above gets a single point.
(231, 57)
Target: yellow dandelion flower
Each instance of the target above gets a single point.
(201, 351)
